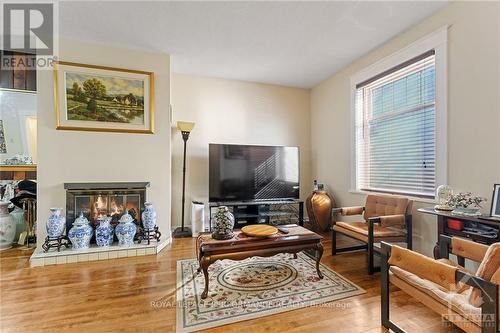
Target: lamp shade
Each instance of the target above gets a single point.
(185, 126)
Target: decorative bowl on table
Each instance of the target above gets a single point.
(259, 230)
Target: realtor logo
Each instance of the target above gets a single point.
(29, 28)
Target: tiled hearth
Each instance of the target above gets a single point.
(67, 256)
(95, 200)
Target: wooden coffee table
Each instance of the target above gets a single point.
(241, 247)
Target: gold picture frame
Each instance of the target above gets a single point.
(103, 99)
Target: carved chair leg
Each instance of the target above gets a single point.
(319, 254)
(205, 262)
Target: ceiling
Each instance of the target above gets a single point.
(288, 43)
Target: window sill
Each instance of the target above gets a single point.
(416, 199)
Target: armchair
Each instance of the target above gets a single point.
(386, 218)
(469, 301)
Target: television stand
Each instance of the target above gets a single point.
(261, 211)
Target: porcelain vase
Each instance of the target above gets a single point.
(149, 216)
(80, 233)
(18, 215)
(223, 224)
(104, 232)
(7, 226)
(56, 223)
(125, 230)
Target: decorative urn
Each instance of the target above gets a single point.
(319, 206)
(80, 233)
(125, 230)
(56, 223)
(7, 226)
(104, 231)
(149, 216)
(223, 223)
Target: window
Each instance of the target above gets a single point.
(395, 129)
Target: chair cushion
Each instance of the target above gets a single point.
(458, 302)
(461, 286)
(486, 270)
(380, 205)
(357, 210)
(424, 267)
(378, 231)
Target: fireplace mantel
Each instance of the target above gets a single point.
(105, 186)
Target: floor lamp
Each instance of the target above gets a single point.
(185, 128)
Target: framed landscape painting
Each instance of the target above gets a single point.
(97, 98)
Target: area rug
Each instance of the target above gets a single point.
(254, 287)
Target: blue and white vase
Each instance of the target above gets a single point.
(149, 216)
(104, 232)
(125, 230)
(223, 224)
(56, 223)
(80, 233)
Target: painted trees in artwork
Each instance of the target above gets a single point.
(94, 89)
(93, 98)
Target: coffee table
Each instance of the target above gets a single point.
(241, 247)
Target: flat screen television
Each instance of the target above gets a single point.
(252, 173)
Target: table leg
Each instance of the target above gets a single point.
(204, 263)
(319, 254)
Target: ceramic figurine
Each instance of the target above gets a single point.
(125, 230)
(149, 216)
(104, 231)
(81, 233)
(7, 226)
(56, 223)
(223, 223)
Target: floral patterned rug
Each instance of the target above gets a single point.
(254, 287)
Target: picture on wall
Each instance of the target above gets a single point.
(495, 202)
(97, 98)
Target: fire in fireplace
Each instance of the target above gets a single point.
(104, 199)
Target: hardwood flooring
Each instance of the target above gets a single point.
(121, 295)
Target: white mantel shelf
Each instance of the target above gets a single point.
(68, 256)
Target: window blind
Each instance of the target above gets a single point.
(395, 129)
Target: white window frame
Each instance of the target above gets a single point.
(437, 41)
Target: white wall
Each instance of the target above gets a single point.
(228, 111)
(76, 156)
(473, 109)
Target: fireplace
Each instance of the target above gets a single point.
(95, 200)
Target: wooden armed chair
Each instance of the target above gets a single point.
(469, 301)
(386, 218)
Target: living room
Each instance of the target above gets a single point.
(250, 166)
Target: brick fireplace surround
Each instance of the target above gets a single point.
(94, 200)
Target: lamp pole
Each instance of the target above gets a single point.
(185, 137)
(183, 231)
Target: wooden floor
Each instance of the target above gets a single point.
(117, 296)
